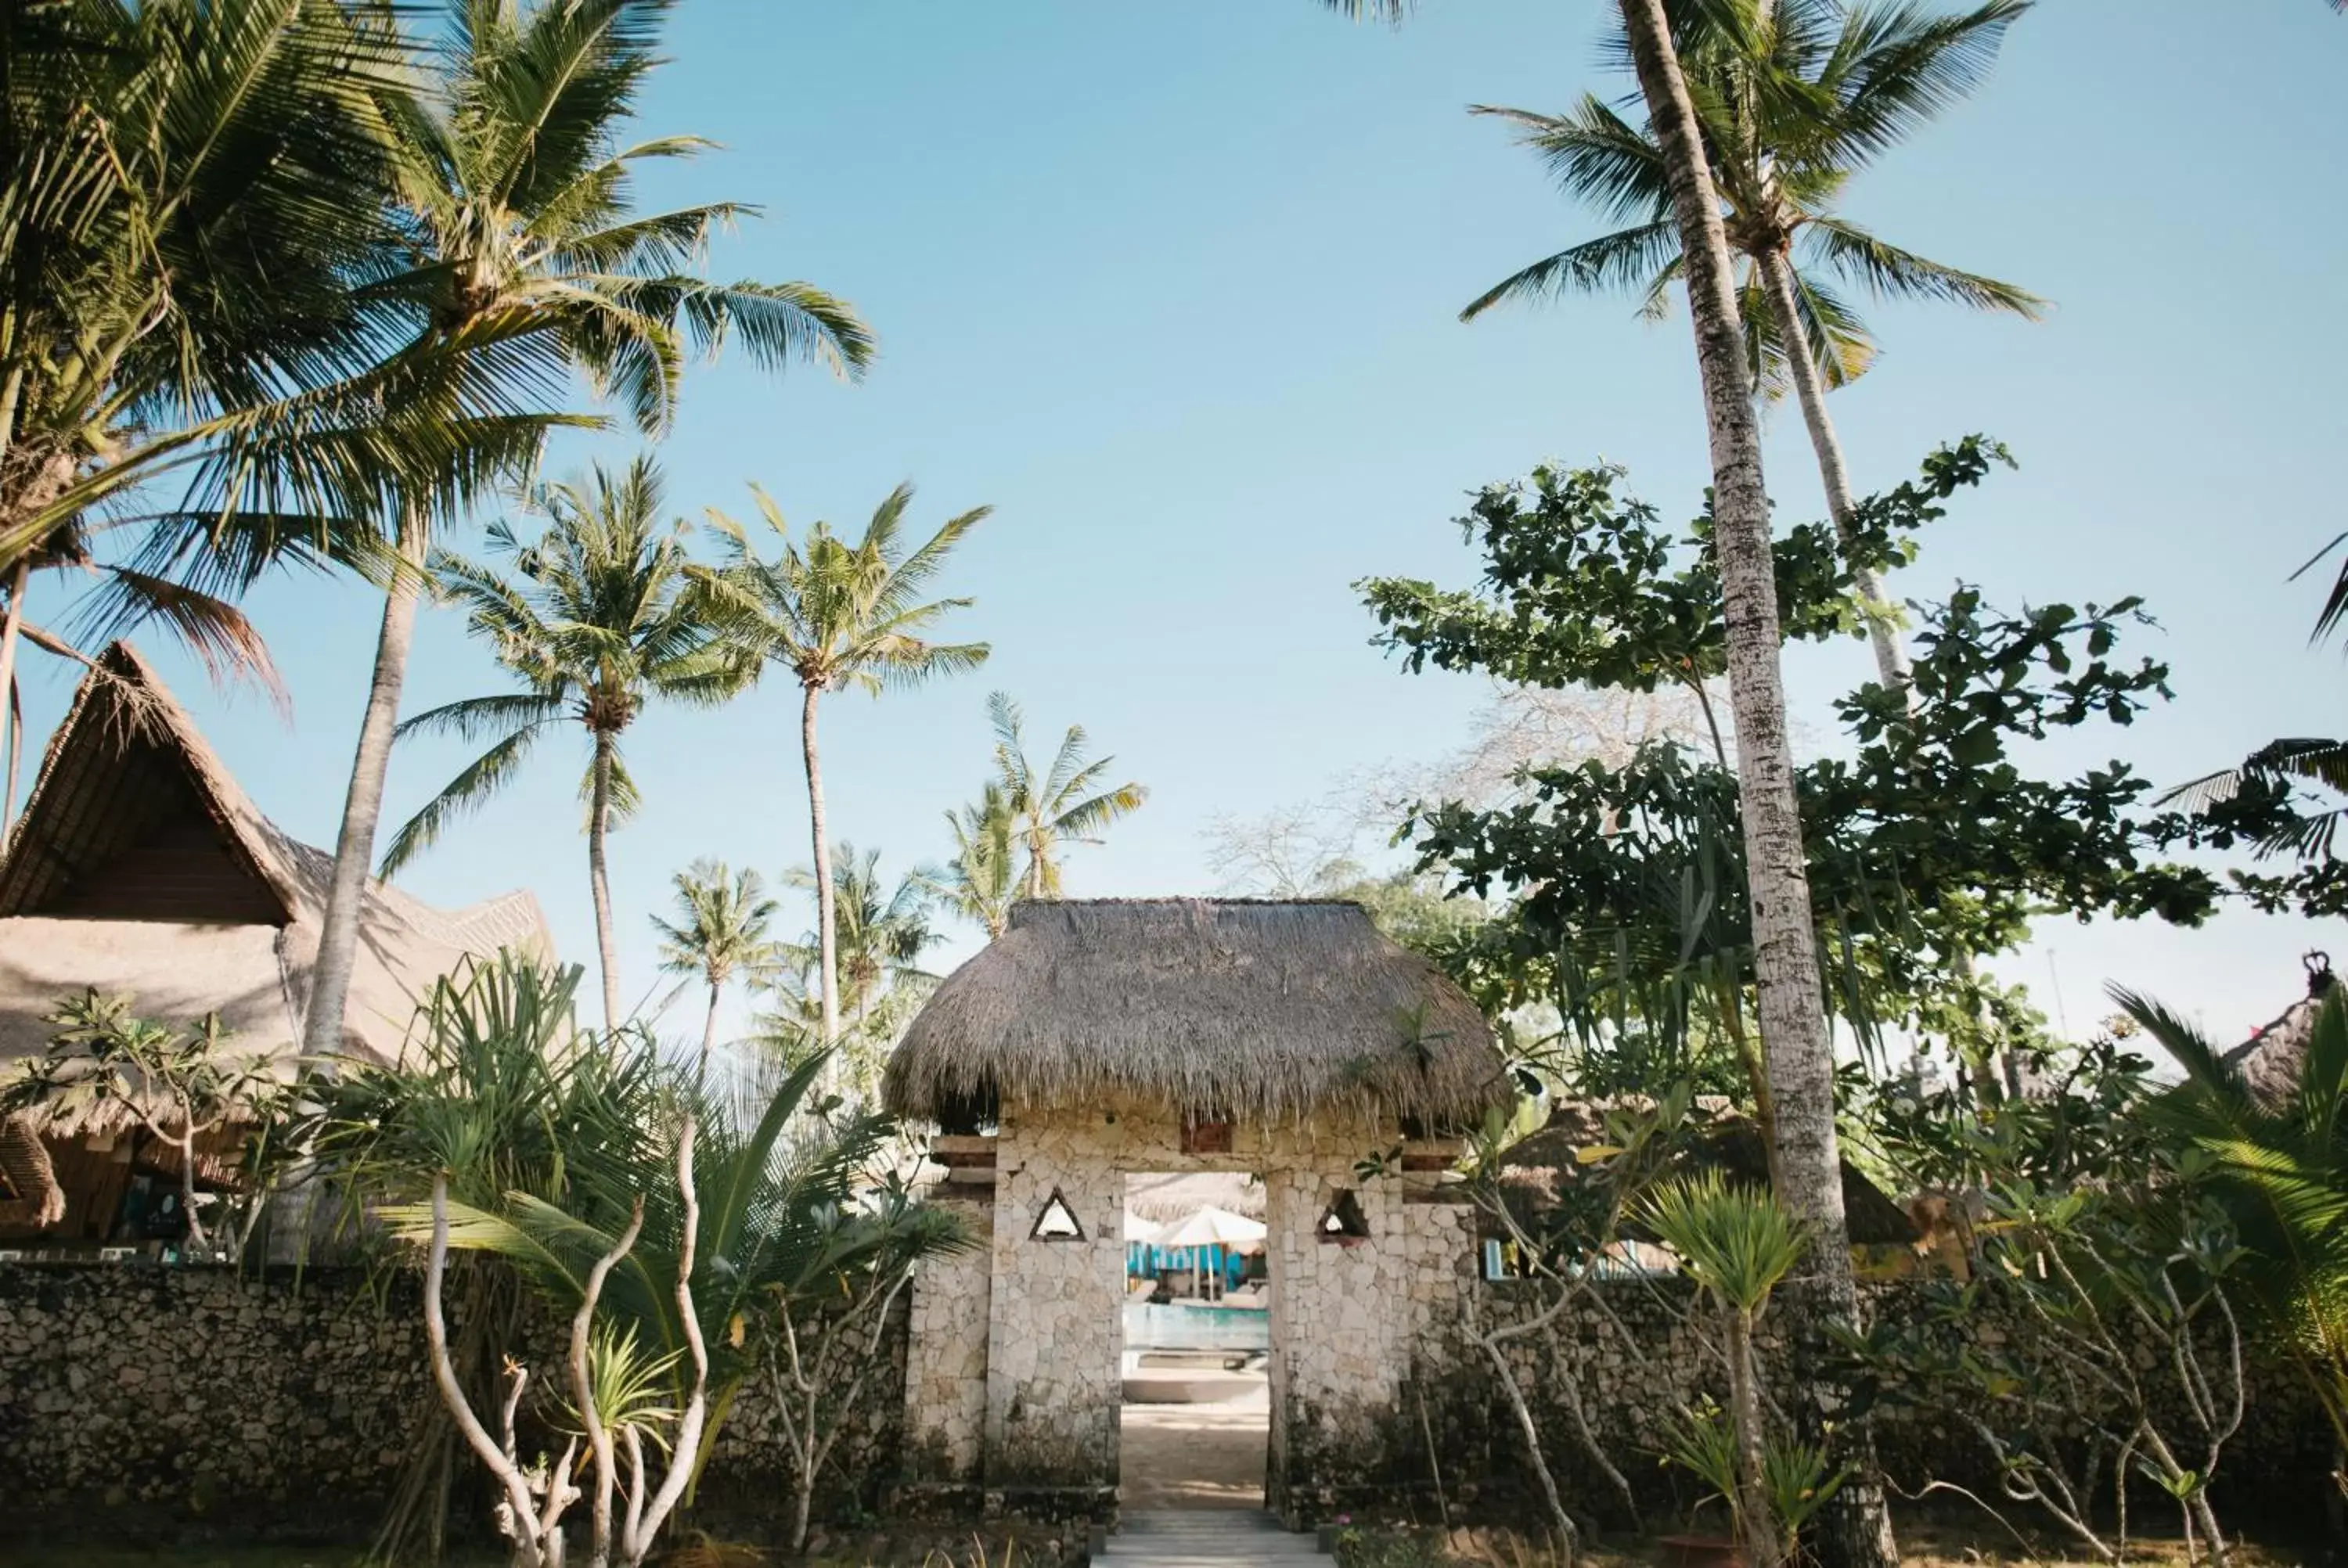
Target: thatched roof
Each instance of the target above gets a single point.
(141, 868)
(1537, 1167)
(2274, 1059)
(1263, 1009)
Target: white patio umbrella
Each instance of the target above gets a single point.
(1216, 1228)
(1139, 1228)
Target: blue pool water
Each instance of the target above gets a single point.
(1182, 1325)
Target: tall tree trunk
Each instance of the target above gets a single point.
(1891, 661)
(1856, 1532)
(827, 940)
(599, 820)
(11, 716)
(708, 1036)
(338, 937)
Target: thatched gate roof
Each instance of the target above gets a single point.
(1264, 1010)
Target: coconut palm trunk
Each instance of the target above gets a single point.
(11, 719)
(827, 935)
(1891, 660)
(708, 1034)
(1855, 1531)
(599, 822)
(338, 936)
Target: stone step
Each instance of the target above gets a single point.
(1201, 1538)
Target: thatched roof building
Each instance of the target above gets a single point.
(140, 867)
(1267, 1010)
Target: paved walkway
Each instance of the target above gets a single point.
(1197, 1537)
(1193, 1456)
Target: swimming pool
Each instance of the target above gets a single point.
(1185, 1326)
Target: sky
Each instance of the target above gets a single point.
(1173, 289)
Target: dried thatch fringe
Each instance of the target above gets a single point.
(1269, 1011)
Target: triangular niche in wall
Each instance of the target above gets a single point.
(1057, 1222)
(1343, 1219)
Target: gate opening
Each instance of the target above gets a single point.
(1196, 1419)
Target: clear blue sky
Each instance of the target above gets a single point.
(1173, 289)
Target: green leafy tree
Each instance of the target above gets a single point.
(840, 616)
(516, 196)
(598, 618)
(1793, 98)
(1928, 839)
(723, 917)
(1063, 803)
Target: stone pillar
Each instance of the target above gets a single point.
(1052, 1379)
(945, 1354)
(1338, 1310)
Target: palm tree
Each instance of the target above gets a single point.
(255, 389)
(598, 619)
(1785, 962)
(518, 196)
(982, 880)
(720, 929)
(881, 934)
(1061, 806)
(838, 616)
(1794, 97)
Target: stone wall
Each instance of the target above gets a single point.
(136, 1401)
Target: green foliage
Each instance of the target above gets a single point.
(550, 1137)
(1927, 839)
(1796, 1477)
(981, 880)
(2112, 1269)
(2277, 1169)
(837, 613)
(1736, 1241)
(185, 1086)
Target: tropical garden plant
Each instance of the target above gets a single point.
(2277, 1167)
(838, 616)
(674, 1227)
(599, 618)
(514, 192)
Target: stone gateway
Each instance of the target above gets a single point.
(1291, 1041)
